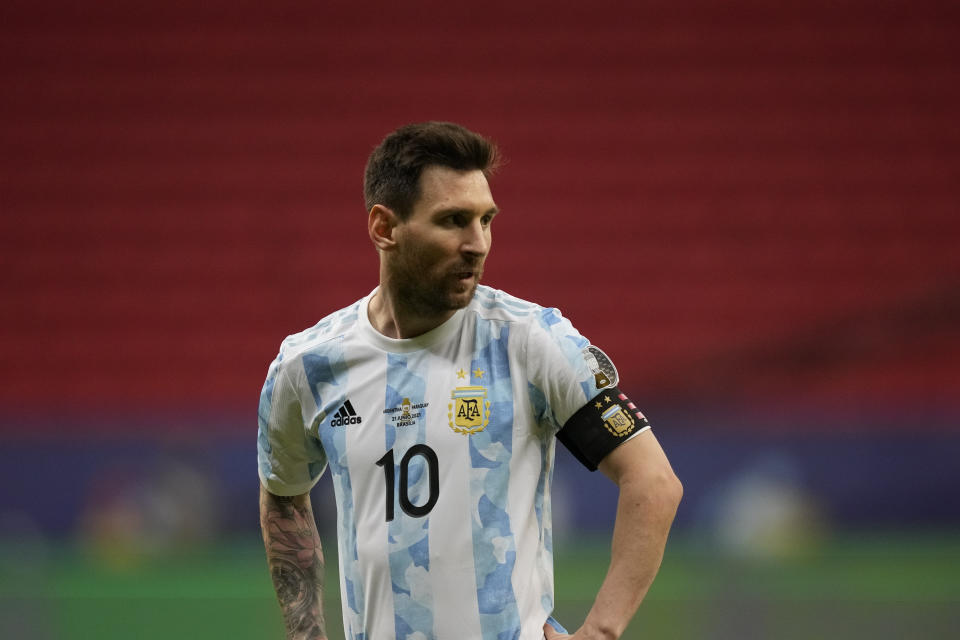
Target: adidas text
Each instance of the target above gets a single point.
(346, 415)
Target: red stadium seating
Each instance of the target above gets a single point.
(743, 201)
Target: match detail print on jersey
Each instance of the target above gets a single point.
(602, 425)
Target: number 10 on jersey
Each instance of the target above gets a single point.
(416, 511)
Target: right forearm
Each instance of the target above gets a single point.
(296, 565)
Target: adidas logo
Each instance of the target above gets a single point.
(346, 415)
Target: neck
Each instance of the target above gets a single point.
(390, 316)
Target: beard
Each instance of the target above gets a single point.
(426, 288)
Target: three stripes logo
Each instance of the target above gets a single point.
(345, 415)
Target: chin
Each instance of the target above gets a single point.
(460, 299)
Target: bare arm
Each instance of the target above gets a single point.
(649, 495)
(296, 562)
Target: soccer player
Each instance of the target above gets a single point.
(436, 403)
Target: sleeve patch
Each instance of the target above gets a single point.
(604, 373)
(600, 426)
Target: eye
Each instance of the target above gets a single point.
(486, 220)
(455, 220)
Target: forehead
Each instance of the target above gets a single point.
(445, 188)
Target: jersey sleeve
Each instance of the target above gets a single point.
(578, 384)
(289, 461)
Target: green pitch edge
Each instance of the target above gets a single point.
(872, 568)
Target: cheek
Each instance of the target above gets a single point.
(440, 249)
(422, 256)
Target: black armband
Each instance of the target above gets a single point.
(600, 426)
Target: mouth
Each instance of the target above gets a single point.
(466, 275)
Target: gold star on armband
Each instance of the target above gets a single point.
(478, 373)
(461, 374)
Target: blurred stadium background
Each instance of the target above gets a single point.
(752, 206)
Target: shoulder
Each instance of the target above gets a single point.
(493, 304)
(320, 336)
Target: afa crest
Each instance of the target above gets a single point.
(469, 411)
(617, 421)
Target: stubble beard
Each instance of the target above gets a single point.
(427, 292)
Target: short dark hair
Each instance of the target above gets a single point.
(392, 175)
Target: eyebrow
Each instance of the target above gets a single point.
(469, 212)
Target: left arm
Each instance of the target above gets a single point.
(649, 495)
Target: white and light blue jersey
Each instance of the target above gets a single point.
(441, 451)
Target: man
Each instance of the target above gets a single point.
(435, 402)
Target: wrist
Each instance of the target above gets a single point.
(594, 631)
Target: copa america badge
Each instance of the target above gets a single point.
(604, 373)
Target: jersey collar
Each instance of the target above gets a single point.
(433, 337)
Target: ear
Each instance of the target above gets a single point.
(381, 225)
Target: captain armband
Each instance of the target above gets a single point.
(600, 426)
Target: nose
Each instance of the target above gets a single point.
(476, 239)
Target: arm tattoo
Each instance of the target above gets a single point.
(296, 562)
